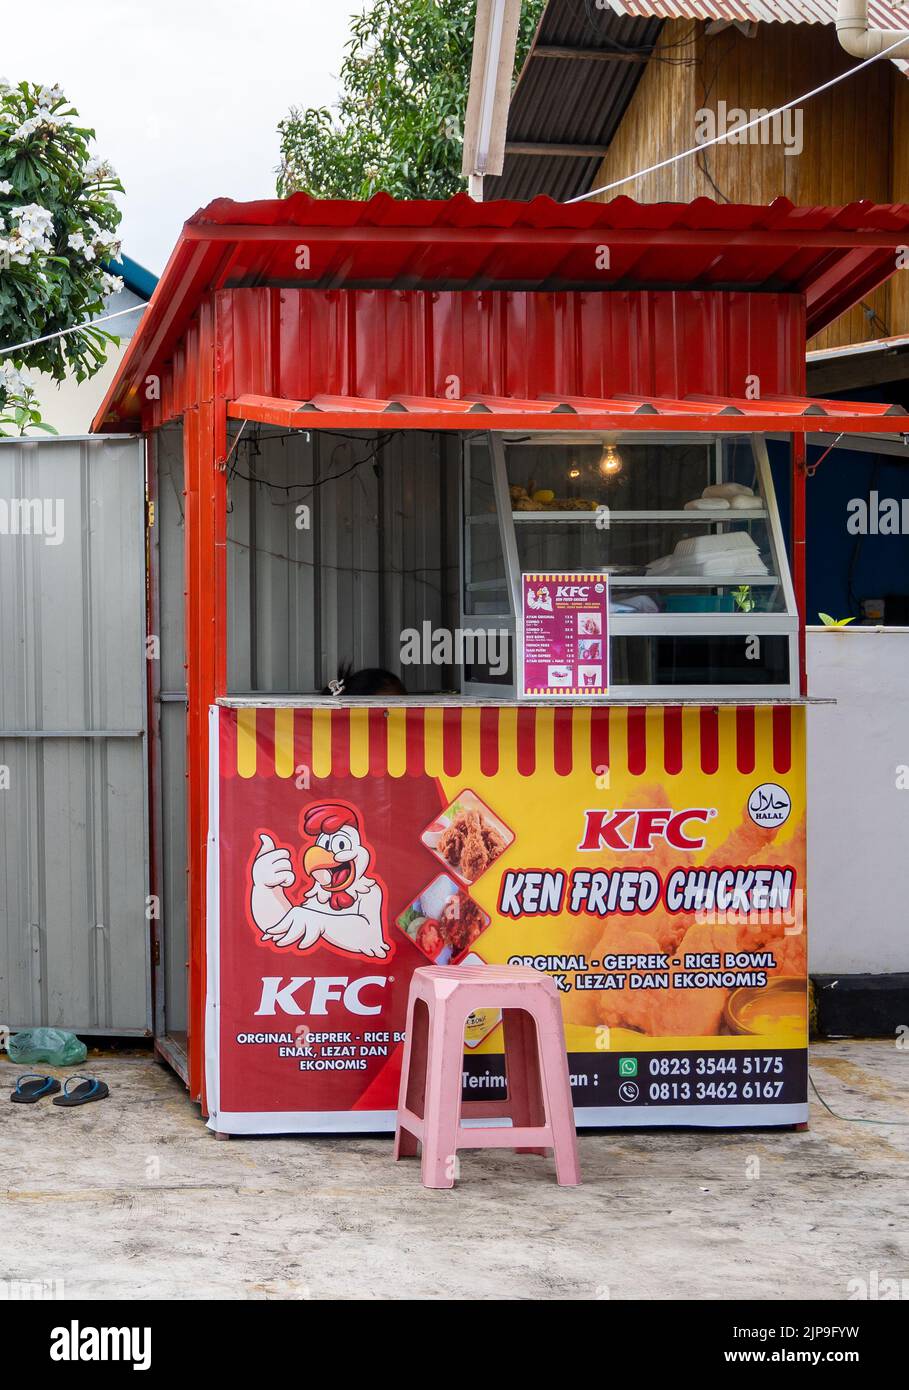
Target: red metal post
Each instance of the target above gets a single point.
(797, 538)
(205, 426)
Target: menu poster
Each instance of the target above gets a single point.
(565, 629)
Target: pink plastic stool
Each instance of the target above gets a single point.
(536, 1065)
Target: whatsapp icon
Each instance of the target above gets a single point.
(628, 1066)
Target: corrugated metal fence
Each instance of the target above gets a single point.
(74, 930)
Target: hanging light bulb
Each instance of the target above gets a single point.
(574, 472)
(610, 461)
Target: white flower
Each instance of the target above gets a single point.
(32, 227)
(106, 244)
(42, 120)
(100, 170)
(34, 212)
(5, 186)
(14, 380)
(26, 129)
(76, 241)
(47, 96)
(110, 284)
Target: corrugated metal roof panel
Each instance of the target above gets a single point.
(880, 15)
(831, 255)
(577, 412)
(571, 100)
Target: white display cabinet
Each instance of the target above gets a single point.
(701, 597)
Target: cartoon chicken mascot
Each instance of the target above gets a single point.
(343, 907)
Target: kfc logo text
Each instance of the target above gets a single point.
(637, 829)
(278, 997)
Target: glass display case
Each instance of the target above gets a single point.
(686, 527)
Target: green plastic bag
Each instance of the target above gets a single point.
(53, 1045)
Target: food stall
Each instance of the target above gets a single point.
(458, 443)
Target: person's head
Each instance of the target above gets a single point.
(372, 680)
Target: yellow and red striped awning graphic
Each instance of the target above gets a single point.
(438, 740)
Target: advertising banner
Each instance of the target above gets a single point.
(565, 635)
(651, 860)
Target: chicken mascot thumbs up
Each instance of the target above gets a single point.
(342, 906)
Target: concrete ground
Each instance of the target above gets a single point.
(134, 1198)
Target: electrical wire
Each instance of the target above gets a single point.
(580, 198)
(874, 318)
(719, 139)
(707, 87)
(414, 572)
(234, 472)
(76, 328)
(851, 1119)
(616, 46)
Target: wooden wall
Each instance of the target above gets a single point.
(899, 192)
(854, 136)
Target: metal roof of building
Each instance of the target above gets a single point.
(573, 89)
(584, 65)
(831, 255)
(881, 16)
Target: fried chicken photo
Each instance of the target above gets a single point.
(474, 858)
(470, 844)
(450, 843)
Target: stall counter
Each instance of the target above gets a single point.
(650, 857)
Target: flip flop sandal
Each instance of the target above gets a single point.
(34, 1088)
(88, 1090)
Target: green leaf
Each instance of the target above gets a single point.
(834, 622)
(404, 75)
(58, 287)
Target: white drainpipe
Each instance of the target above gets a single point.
(855, 36)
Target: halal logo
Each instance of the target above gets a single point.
(769, 805)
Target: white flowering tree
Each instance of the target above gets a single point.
(58, 231)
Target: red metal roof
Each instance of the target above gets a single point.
(880, 14)
(694, 413)
(833, 256)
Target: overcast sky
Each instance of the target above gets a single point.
(185, 95)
